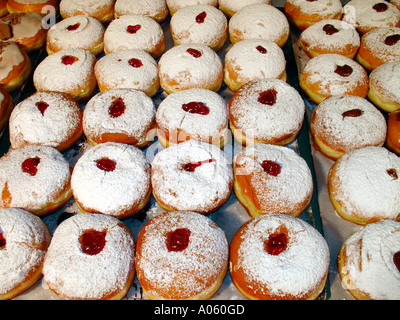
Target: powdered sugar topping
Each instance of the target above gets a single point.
(374, 41)
(386, 78)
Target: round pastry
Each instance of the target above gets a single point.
(24, 240)
(343, 123)
(396, 3)
(193, 114)
(230, 7)
(111, 178)
(368, 262)
(134, 31)
(37, 6)
(383, 86)
(278, 104)
(378, 47)
(134, 69)
(279, 257)
(35, 178)
(120, 115)
(192, 175)
(181, 255)
(83, 32)
(393, 135)
(90, 257)
(6, 107)
(330, 36)
(367, 15)
(353, 182)
(259, 21)
(333, 74)
(272, 179)
(25, 29)
(175, 5)
(253, 59)
(46, 118)
(200, 24)
(190, 66)
(15, 66)
(3, 8)
(102, 10)
(70, 71)
(156, 9)
(304, 13)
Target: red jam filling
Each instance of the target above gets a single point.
(392, 173)
(268, 97)
(201, 17)
(191, 167)
(352, 113)
(178, 240)
(30, 166)
(133, 29)
(330, 29)
(276, 244)
(92, 241)
(2, 241)
(261, 49)
(196, 107)
(392, 40)
(396, 260)
(42, 106)
(272, 168)
(195, 53)
(73, 27)
(117, 108)
(69, 60)
(106, 164)
(136, 63)
(380, 7)
(344, 70)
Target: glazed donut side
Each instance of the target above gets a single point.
(393, 136)
(17, 6)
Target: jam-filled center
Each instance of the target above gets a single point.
(392, 40)
(69, 60)
(196, 107)
(380, 7)
(178, 240)
(92, 241)
(353, 113)
(396, 260)
(42, 106)
(329, 29)
(201, 17)
(135, 63)
(133, 29)
(3, 241)
(117, 108)
(30, 166)
(261, 49)
(73, 27)
(276, 244)
(194, 52)
(192, 166)
(268, 97)
(271, 167)
(392, 173)
(344, 71)
(106, 164)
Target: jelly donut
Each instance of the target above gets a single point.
(253, 59)
(367, 15)
(343, 123)
(83, 32)
(200, 24)
(230, 7)
(193, 114)
(25, 29)
(175, 5)
(37, 6)
(192, 175)
(156, 9)
(393, 135)
(134, 31)
(378, 47)
(383, 86)
(46, 118)
(330, 36)
(70, 71)
(133, 69)
(6, 107)
(333, 74)
(279, 257)
(120, 115)
(190, 66)
(36, 179)
(181, 255)
(259, 21)
(354, 179)
(368, 262)
(102, 10)
(113, 179)
(90, 257)
(266, 111)
(15, 66)
(272, 179)
(304, 13)
(24, 240)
